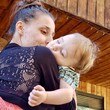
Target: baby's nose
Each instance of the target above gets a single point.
(57, 47)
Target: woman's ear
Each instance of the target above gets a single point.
(20, 28)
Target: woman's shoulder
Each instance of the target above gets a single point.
(44, 54)
(44, 51)
(45, 58)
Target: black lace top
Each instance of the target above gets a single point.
(22, 68)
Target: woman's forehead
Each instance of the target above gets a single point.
(45, 20)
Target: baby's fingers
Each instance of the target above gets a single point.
(31, 102)
(39, 87)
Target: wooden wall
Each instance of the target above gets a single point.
(97, 11)
(96, 90)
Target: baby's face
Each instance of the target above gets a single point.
(65, 50)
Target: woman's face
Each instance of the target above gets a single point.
(65, 50)
(38, 31)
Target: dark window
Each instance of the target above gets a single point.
(88, 101)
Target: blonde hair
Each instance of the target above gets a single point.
(88, 55)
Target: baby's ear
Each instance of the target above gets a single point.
(20, 27)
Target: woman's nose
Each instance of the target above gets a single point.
(49, 39)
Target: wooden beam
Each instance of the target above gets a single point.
(3, 43)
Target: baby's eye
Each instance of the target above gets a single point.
(63, 53)
(58, 41)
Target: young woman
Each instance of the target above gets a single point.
(19, 68)
(21, 64)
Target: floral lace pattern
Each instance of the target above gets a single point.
(18, 73)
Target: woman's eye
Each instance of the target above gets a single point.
(44, 32)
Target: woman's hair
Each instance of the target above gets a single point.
(88, 55)
(25, 11)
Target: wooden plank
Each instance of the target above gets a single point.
(1, 12)
(88, 32)
(108, 99)
(93, 89)
(100, 70)
(82, 8)
(4, 3)
(105, 52)
(96, 35)
(83, 86)
(62, 19)
(51, 2)
(88, 88)
(62, 4)
(66, 29)
(106, 84)
(98, 90)
(73, 6)
(102, 59)
(92, 76)
(91, 13)
(83, 78)
(99, 65)
(105, 45)
(7, 38)
(105, 30)
(103, 39)
(49, 8)
(100, 12)
(3, 43)
(107, 13)
(56, 14)
(80, 28)
(103, 90)
(101, 79)
(5, 22)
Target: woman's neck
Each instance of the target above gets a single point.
(16, 40)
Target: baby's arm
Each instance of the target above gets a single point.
(56, 97)
(60, 96)
(69, 80)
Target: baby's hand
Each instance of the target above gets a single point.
(37, 96)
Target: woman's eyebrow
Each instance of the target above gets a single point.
(46, 27)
